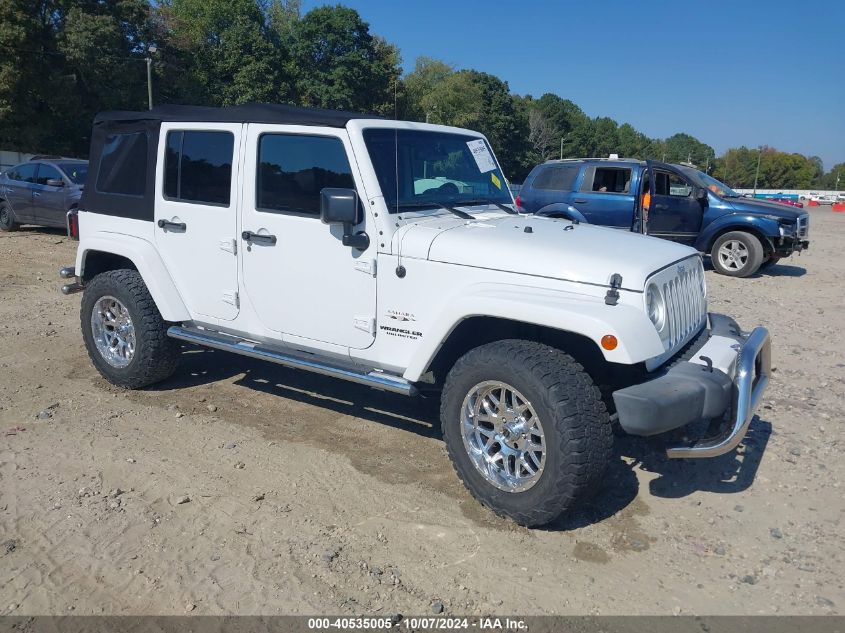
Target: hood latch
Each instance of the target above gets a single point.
(612, 296)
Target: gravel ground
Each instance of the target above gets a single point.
(242, 487)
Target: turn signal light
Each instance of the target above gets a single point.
(609, 342)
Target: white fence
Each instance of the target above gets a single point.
(10, 159)
(790, 192)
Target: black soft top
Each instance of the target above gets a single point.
(247, 113)
(124, 148)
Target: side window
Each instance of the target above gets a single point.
(47, 172)
(293, 169)
(123, 165)
(669, 184)
(608, 180)
(24, 172)
(198, 166)
(557, 178)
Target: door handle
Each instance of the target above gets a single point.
(661, 206)
(580, 201)
(172, 226)
(249, 236)
(36, 194)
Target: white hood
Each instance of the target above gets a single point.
(543, 247)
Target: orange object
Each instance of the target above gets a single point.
(812, 203)
(839, 207)
(609, 342)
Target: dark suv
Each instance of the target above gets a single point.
(41, 191)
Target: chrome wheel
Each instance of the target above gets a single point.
(113, 332)
(733, 255)
(503, 436)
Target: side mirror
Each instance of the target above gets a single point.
(340, 206)
(701, 194)
(55, 182)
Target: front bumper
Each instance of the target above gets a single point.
(786, 246)
(726, 376)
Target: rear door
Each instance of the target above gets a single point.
(48, 201)
(18, 190)
(605, 196)
(674, 213)
(196, 214)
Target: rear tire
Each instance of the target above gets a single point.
(562, 411)
(7, 221)
(124, 333)
(736, 254)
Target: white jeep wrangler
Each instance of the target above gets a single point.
(389, 253)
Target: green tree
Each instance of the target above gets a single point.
(225, 52)
(681, 148)
(340, 64)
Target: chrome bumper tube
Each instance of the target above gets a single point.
(753, 370)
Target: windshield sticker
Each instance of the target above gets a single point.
(496, 181)
(482, 155)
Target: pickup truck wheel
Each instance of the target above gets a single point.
(737, 254)
(526, 429)
(7, 222)
(124, 333)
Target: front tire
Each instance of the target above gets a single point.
(124, 333)
(7, 220)
(526, 429)
(737, 254)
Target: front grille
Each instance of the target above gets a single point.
(686, 304)
(803, 227)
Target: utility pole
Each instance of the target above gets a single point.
(150, 51)
(561, 148)
(757, 173)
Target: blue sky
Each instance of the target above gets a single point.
(747, 72)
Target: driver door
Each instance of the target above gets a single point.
(674, 213)
(300, 278)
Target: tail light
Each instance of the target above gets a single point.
(518, 202)
(73, 225)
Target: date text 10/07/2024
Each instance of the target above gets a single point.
(418, 623)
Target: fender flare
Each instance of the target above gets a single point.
(584, 315)
(764, 228)
(563, 209)
(149, 264)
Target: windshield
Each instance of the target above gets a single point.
(77, 172)
(418, 169)
(715, 186)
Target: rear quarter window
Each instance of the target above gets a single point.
(556, 177)
(123, 164)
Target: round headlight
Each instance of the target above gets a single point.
(656, 306)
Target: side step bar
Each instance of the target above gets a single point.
(288, 358)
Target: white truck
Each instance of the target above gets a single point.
(390, 254)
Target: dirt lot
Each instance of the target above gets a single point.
(242, 487)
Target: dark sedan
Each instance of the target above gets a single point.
(41, 191)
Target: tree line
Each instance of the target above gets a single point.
(62, 61)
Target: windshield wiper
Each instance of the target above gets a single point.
(506, 209)
(422, 205)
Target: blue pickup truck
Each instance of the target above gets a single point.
(674, 202)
